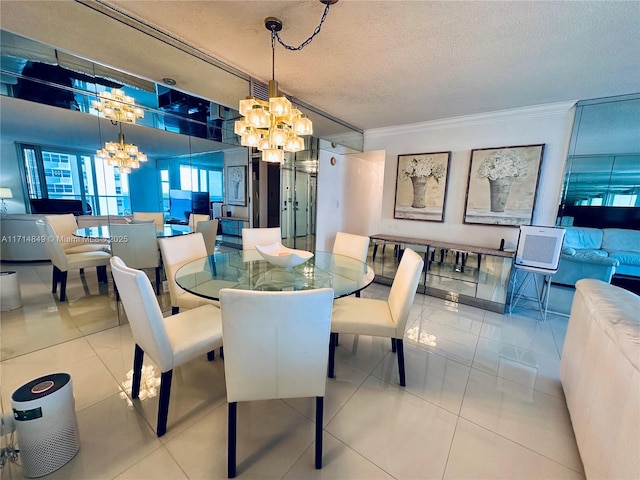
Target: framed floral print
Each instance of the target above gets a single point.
(237, 185)
(502, 185)
(421, 186)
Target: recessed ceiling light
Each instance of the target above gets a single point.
(169, 81)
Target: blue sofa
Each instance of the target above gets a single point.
(598, 253)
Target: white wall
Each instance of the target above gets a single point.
(349, 195)
(548, 124)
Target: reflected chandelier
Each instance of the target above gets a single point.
(117, 106)
(123, 155)
(274, 127)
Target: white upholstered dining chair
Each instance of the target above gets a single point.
(65, 225)
(137, 246)
(260, 236)
(65, 260)
(209, 231)
(195, 218)
(276, 346)
(176, 252)
(157, 217)
(351, 245)
(380, 318)
(168, 341)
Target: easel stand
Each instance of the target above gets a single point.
(542, 295)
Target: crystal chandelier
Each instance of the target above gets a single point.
(117, 106)
(123, 155)
(275, 127)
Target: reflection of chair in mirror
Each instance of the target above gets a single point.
(137, 246)
(63, 262)
(65, 226)
(195, 218)
(177, 251)
(276, 346)
(170, 341)
(380, 318)
(209, 231)
(157, 217)
(260, 236)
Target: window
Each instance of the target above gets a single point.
(68, 174)
(202, 179)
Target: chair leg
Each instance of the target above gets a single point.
(158, 282)
(319, 415)
(221, 353)
(333, 339)
(115, 289)
(54, 279)
(175, 310)
(101, 271)
(375, 250)
(163, 407)
(138, 356)
(393, 345)
(358, 294)
(211, 356)
(231, 440)
(400, 349)
(63, 286)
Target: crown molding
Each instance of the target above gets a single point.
(475, 119)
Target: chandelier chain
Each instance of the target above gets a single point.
(308, 40)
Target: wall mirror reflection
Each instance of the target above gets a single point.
(600, 204)
(51, 133)
(602, 178)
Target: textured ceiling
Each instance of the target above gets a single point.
(377, 63)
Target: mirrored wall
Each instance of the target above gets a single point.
(602, 178)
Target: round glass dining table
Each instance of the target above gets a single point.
(247, 270)
(102, 232)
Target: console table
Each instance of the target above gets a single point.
(477, 276)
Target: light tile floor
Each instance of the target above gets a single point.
(483, 398)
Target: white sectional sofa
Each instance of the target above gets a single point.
(600, 375)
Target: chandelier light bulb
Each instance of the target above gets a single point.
(273, 155)
(280, 106)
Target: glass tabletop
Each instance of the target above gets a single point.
(103, 232)
(247, 270)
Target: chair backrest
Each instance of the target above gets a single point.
(157, 217)
(276, 344)
(64, 226)
(350, 245)
(209, 231)
(260, 236)
(195, 218)
(51, 245)
(135, 244)
(144, 314)
(176, 251)
(403, 289)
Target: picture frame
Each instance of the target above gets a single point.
(421, 186)
(503, 184)
(236, 185)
